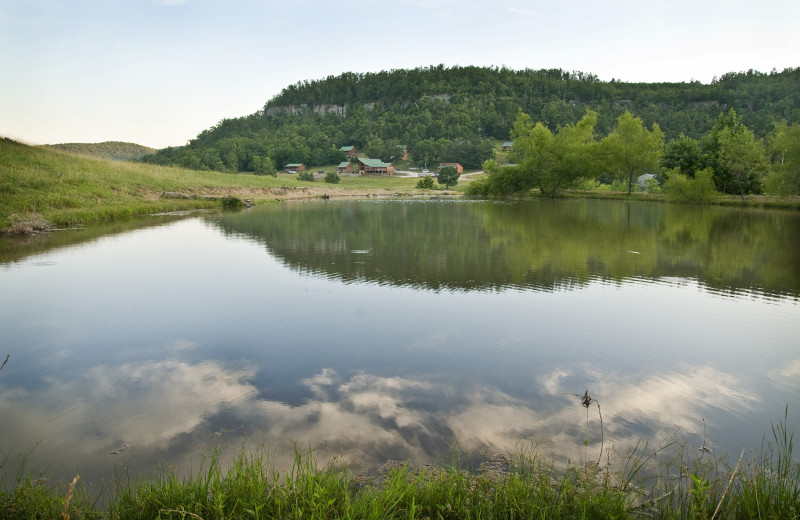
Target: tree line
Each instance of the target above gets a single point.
(728, 159)
(458, 114)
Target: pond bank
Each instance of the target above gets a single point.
(520, 485)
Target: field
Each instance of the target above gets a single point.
(42, 187)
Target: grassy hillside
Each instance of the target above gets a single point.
(40, 187)
(116, 150)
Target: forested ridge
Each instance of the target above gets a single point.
(458, 114)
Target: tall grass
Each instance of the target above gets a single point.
(671, 482)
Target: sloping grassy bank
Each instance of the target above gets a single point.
(671, 482)
(41, 187)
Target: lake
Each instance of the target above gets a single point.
(383, 329)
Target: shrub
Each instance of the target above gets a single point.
(305, 176)
(332, 178)
(232, 203)
(651, 185)
(700, 190)
(425, 183)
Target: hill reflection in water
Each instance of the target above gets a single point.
(541, 245)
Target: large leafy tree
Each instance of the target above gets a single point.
(736, 156)
(744, 158)
(448, 176)
(631, 150)
(784, 178)
(551, 161)
(684, 154)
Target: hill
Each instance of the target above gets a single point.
(460, 114)
(116, 150)
(41, 187)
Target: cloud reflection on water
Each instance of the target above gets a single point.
(366, 417)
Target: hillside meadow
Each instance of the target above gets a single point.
(42, 188)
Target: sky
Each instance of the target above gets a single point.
(158, 72)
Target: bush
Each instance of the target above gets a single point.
(425, 183)
(232, 203)
(332, 178)
(651, 185)
(700, 190)
(305, 176)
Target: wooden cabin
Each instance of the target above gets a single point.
(374, 167)
(294, 168)
(345, 167)
(349, 150)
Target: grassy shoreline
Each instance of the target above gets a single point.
(671, 482)
(41, 189)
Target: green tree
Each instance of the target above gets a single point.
(554, 162)
(448, 176)
(332, 177)
(784, 177)
(682, 153)
(730, 148)
(743, 157)
(263, 166)
(631, 150)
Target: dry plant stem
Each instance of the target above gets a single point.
(68, 498)
(730, 481)
(602, 434)
(4, 362)
(181, 512)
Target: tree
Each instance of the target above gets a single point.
(263, 166)
(554, 162)
(784, 179)
(736, 156)
(742, 155)
(631, 150)
(682, 153)
(448, 176)
(332, 177)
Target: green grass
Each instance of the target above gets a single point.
(66, 189)
(671, 482)
(41, 188)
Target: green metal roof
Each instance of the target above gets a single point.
(344, 164)
(293, 165)
(374, 163)
(346, 148)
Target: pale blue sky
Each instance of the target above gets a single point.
(157, 72)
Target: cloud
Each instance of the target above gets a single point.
(369, 418)
(788, 375)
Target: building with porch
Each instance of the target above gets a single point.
(374, 167)
(294, 168)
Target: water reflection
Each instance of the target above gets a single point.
(166, 408)
(543, 245)
(386, 330)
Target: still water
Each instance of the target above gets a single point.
(376, 330)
